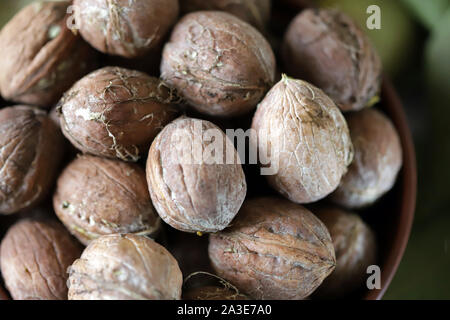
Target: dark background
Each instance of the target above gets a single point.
(414, 43)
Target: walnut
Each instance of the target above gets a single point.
(97, 196)
(255, 12)
(377, 162)
(125, 267)
(195, 192)
(115, 112)
(41, 57)
(304, 140)
(35, 255)
(30, 153)
(125, 28)
(355, 247)
(275, 249)
(221, 65)
(327, 48)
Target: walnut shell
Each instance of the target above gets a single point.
(275, 249)
(327, 48)
(213, 293)
(255, 12)
(304, 139)
(125, 267)
(377, 162)
(125, 28)
(41, 57)
(34, 257)
(355, 247)
(30, 153)
(221, 65)
(97, 196)
(191, 193)
(115, 112)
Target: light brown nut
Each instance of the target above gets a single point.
(30, 153)
(255, 12)
(377, 162)
(34, 256)
(195, 191)
(327, 48)
(115, 112)
(125, 28)
(125, 267)
(213, 293)
(355, 247)
(275, 249)
(221, 65)
(41, 57)
(304, 140)
(97, 196)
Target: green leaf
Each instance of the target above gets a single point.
(428, 12)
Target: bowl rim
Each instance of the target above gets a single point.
(393, 106)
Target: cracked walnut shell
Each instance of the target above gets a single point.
(97, 196)
(34, 256)
(219, 64)
(30, 154)
(125, 267)
(195, 188)
(327, 48)
(115, 112)
(41, 57)
(304, 139)
(275, 249)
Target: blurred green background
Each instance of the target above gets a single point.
(414, 43)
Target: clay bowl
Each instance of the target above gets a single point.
(392, 216)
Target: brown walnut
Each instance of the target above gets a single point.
(125, 28)
(255, 12)
(377, 161)
(275, 249)
(195, 191)
(327, 48)
(34, 256)
(30, 154)
(125, 267)
(115, 112)
(97, 196)
(221, 65)
(355, 247)
(304, 140)
(41, 56)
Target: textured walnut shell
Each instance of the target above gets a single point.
(194, 196)
(221, 65)
(327, 48)
(41, 57)
(255, 12)
(30, 153)
(125, 267)
(377, 162)
(213, 293)
(115, 112)
(34, 258)
(303, 135)
(97, 196)
(275, 249)
(355, 247)
(125, 28)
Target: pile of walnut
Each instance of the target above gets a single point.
(117, 133)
